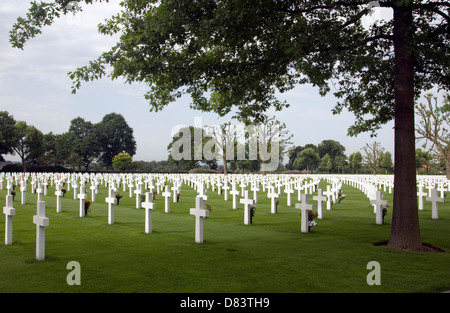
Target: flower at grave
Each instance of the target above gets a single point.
(118, 196)
(252, 210)
(208, 207)
(311, 216)
(87, 204)
(384, 211)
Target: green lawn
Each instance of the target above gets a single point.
(272, 255)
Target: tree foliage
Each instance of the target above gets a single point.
(114, 136)
(7, 137)
(434, 127)
(29, 143)
(84, 140)
(122, 161)
(372, 155)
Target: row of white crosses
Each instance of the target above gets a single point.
(39, 219)
(330, 196)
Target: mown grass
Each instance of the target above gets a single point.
(271, 255)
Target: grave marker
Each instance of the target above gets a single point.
(82, 197)
(304, 206)
(434, 206)
(23, 189)
(272, 195)
(149, 207)
(58, 194)
(247, 207)
(320, 198)
(41, 223)
(378, 204)
(235, 193)
(421, 194)
(329, 195)
(9, 212)
(166, 194)
(111, 200)
(199, 212)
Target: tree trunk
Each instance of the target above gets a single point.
(225, 165)
(405, 231)
(447, 168)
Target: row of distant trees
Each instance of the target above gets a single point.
(83, 144)
(329, 157)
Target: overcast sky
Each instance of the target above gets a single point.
(35, 88)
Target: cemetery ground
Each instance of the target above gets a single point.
(271, 255)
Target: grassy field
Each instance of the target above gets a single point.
(271, 255)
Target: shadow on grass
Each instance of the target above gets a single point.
(426, 247)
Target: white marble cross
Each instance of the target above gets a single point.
(175, 192)
(243, 185)
(255, 190)
(272, 195)
(378, 204)
(75, 187)
(93, 188)
(149, 207)
(9, 212)
(138, 193)
(82, 197)
(247, 202)
(41, 223)
(45, 183)
(304, 206)
(166, 194)
(9, 186)
(58, 194)
(329, 195)
(199, 212)
(111, 200)
(201, 192)
(39, 192)
(320, 198)
(434, 206)
(441, 188)
(234, 192)
(225, 188)
(23, 189)
(289, 191)
(421, 194)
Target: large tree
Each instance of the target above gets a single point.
(114, 136)
(231, 54)
(7, 138)
(84, 140)
(29, 144)
(307, 158)
(187, 148)
(372, 155)
(225, 138)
